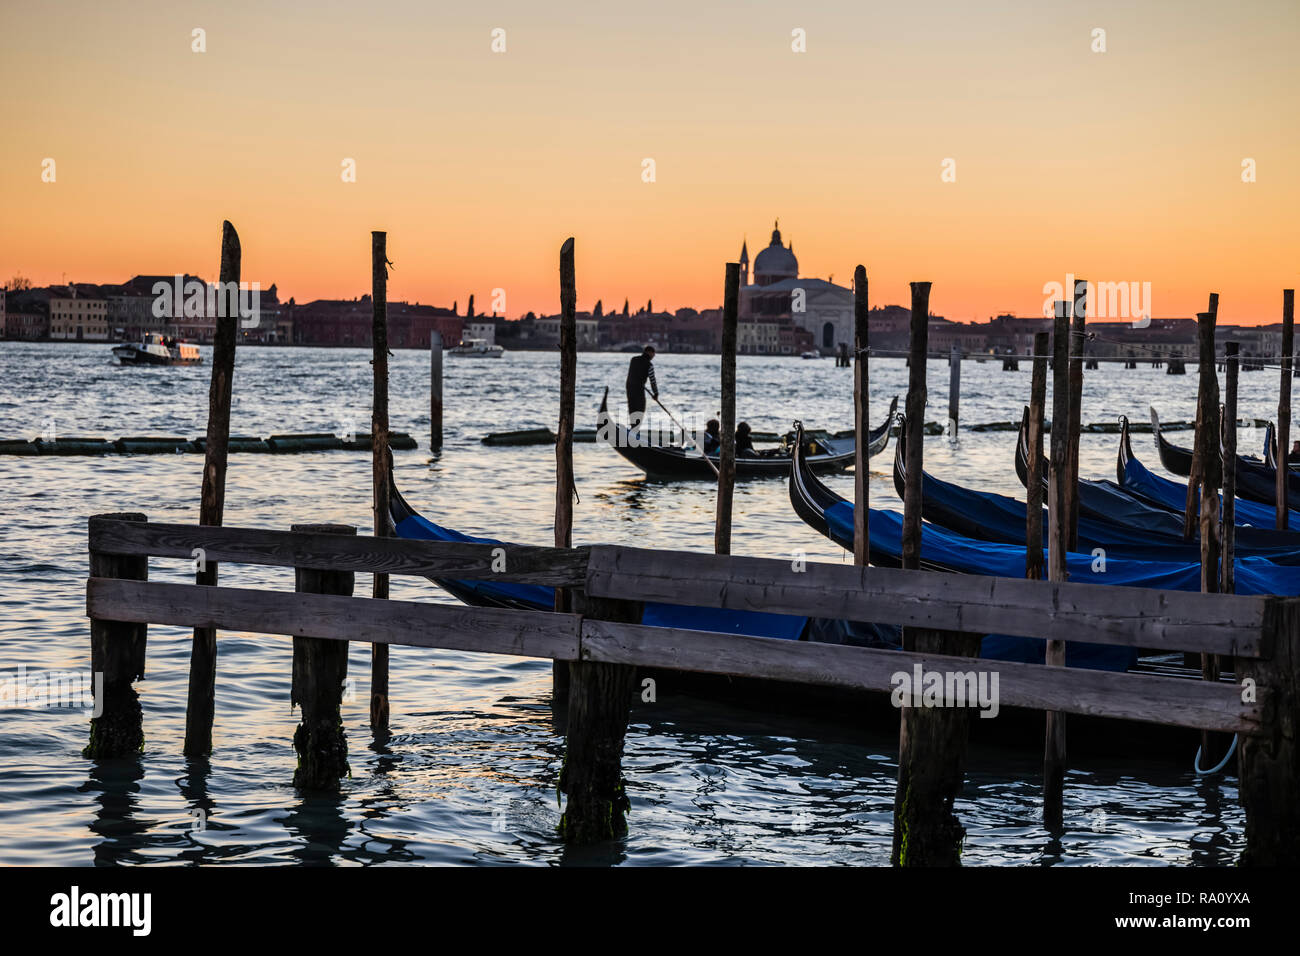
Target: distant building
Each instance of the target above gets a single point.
(779, 297)
(78, 313)
(350, 322)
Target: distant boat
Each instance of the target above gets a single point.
(476, 348)
(810, 355)
(156, 349)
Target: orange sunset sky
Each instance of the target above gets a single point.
(1118, 166)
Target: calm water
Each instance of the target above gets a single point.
(468, 775)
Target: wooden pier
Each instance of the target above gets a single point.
(1260, 635)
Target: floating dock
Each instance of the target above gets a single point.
(175, 445)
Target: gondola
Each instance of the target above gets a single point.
(1137, 479)
(1106, 499)
(986, 516)
(1256, 479)
(408, 523)
(1270, 451)
(670, 462)
(946, 550)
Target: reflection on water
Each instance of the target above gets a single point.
(468, 774)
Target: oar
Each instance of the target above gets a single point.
(674, 420)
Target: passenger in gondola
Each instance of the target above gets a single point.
(744, 442)
(1294, 457)
(640, 370)
(712, 436)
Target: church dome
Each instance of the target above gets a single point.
(776, 262)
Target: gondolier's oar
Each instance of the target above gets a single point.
(673, 419)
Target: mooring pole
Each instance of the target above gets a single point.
(1077, 340)
(117, 651)
(1284, 408)
(931, 740)
(1228, 520)
(861, 420)
(200, 704)
(727, 453)
(435, 391)
(954, 390)
(320, 668)
(1208, 436)
(1058, 520)
(1034, 488)
(381, 463)
(564, 486)
(915, 405)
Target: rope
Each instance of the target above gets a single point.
(1196, 764)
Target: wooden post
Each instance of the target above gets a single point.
(1207, 443)
(600, 698)
(561, 672)
(954, 391)
(1077, 339)
(1034, 489)
(1195, 475)
(435, 391)
(380, 462)
(1228, 521)
(915, 406)
(1284, 408)
(861, 420)
(1270, 760)
(200, 704)
(727, 453)
(320, 667)
(1058, 535)
(117, 652)
(931, 741)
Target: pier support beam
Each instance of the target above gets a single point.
(931, 741)
(600, 700)
(320, 666)
(1270, 760)
(117, 652)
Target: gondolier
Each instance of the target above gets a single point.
(639, 371)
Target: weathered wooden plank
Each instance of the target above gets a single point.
(518, 563)
(1102, 614)
(490, 630)
(1158, 700)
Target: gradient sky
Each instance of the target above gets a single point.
(1117, 166)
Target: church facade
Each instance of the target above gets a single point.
(778, 296)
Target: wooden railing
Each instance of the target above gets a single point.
(604, 643)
